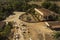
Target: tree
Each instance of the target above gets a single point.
(52, 17)
(57, 35)
(46, 5)
(5, 33)
(51, 6)
(54, 8)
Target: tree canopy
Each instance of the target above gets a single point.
(51, 6)
(5, 32)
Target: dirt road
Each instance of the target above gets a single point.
(15, 18)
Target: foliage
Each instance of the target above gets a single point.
(51, 6)
(5, 11)
(52, 17)
(20, 5)
(57, 35)
(46, 4)
(6, 31)
(8, 6)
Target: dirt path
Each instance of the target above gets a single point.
(18, 22)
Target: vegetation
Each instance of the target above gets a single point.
(5, 11)
(52, 18)
(51, 6)
(5, 33)
(7, 7)
(46, 5)
(53, 0)
(57, 35)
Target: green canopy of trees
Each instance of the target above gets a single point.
(8, 6)
(51, 6)
(5, 32)
(57, 36)
(5, 11)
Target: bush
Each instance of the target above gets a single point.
(46, 5)
(5, 33)
(52, 17)
(51, 6)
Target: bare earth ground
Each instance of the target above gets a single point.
(37, 31)
(15, 18)
(40, 28)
